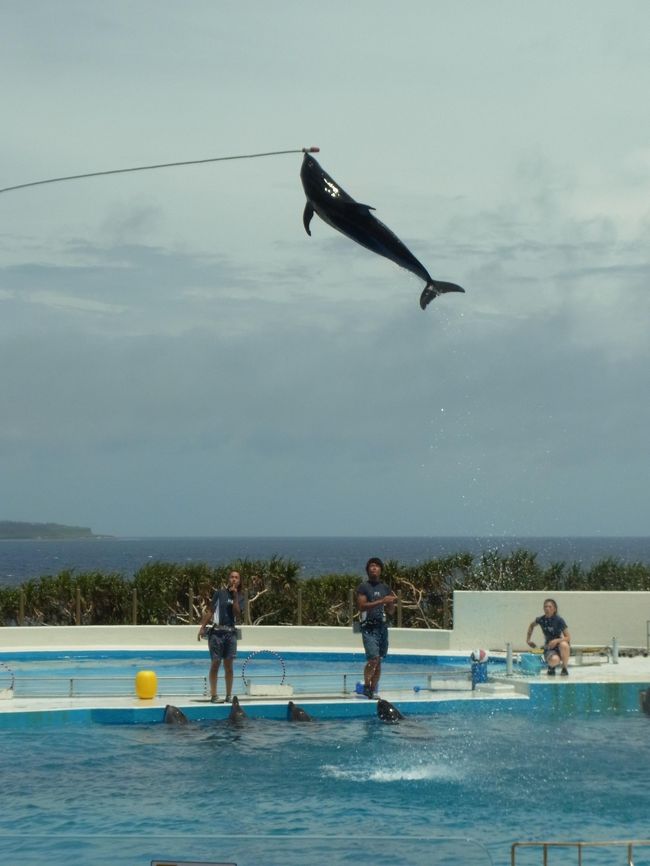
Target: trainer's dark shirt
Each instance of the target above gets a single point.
(222, 607)
(375, 615)
(552, 626)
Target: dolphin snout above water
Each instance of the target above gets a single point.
(174, 716)
(297, 714)
(338, 209)
(237, 713)
(387, 712)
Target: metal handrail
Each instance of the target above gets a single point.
(73, 686)
(629, 844)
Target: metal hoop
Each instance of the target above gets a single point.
(8, 670)
(256, 653)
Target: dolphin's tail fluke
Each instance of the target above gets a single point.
(434, 288)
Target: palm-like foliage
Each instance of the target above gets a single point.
(172, 593)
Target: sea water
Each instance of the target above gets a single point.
(273, 792)
(21, 560)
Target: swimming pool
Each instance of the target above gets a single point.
(112, 796)
(96, 673)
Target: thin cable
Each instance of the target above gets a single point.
(160, 165)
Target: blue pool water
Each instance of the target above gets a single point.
(85, 674)
(112, 796)
(449, 788)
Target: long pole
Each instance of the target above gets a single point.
(159, 165)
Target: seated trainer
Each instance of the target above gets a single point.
(557, 640)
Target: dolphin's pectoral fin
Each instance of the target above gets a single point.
(435, 288)
(364, 208)
(307, 215)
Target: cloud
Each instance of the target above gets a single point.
(178, 355)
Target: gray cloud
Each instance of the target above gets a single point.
(177, 356)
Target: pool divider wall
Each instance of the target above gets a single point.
(183, 637)
(275, 711)
(584, 699)
(545, 701)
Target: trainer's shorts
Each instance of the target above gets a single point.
(222, 645)
(549, 653)
(375, 641)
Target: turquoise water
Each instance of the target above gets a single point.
(126, 795)
(453, 788)
(110, 674)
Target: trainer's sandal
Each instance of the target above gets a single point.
(215, 699)
(228, 699)
(551, 672)
(564, 672)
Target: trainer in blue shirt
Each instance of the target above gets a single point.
(225, 611)
(557, 640)
(375, 599)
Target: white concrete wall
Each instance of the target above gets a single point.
(485, 619)
(183, 637)
(492, 619)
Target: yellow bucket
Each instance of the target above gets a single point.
(146, 685)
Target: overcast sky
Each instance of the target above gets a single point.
(177, 357)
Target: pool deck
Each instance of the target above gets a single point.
(598, 685)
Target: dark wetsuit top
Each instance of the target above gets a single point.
(376, 616)
(222, 608)
(552, 626)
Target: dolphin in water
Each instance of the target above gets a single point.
(338, 209)
(387, 712)
(237, 714)
(174, 716)
(644, 700)
(297, 714)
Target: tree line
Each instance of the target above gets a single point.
(171, 593)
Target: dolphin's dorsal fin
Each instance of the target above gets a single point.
(306, 216)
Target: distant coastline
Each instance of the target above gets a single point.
(23, 531)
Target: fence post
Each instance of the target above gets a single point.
(399, 613)
(77, 612)
(299, 607)
(21, 608)
(445, 611)
(134, 607)
(190, 604)
(247, 610)
(351, 607)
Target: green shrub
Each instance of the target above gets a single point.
(172, 593)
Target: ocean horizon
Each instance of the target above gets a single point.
(21, 560)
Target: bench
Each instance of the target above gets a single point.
(580, 651)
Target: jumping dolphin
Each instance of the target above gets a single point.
(237, 714)
(333, 205)
(387, 712)
(297, 714)
(174, 716)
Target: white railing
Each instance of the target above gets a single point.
(579, 847)
(333, 683)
